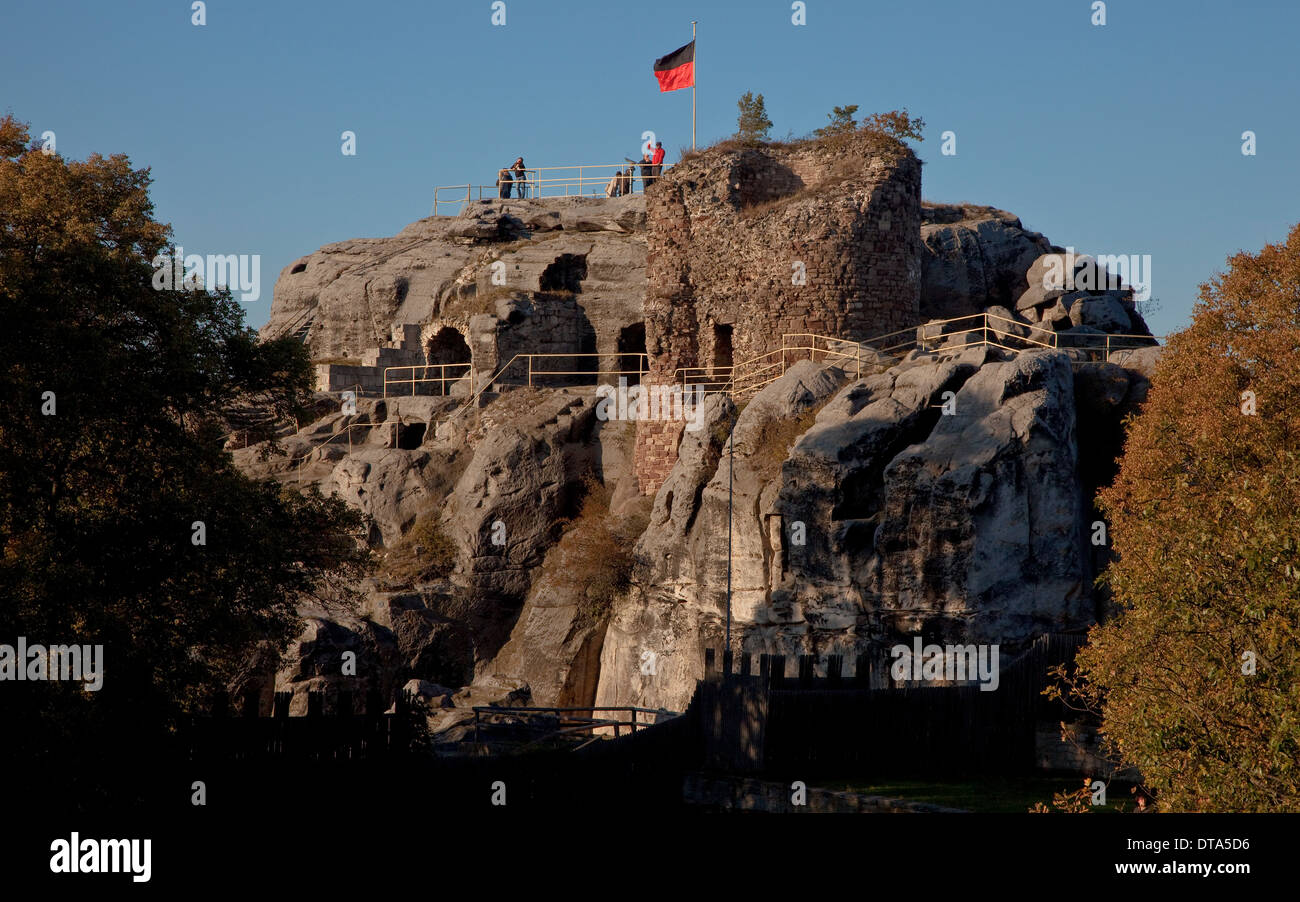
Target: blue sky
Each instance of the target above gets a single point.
(1124, 138)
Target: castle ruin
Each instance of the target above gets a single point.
(747, 245)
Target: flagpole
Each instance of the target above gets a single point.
(695, 70)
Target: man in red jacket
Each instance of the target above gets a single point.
(658, 160)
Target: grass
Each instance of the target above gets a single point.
(592, 563)
(519, 400)
(874, 142)
(425, 553)
(778, 437)
(992, 795)
(469, 304)
(732, 144)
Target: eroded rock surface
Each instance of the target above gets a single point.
(947, 494)
(973, 258)
(888, 518)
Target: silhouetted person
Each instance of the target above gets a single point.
(505, 181)
(521, 178)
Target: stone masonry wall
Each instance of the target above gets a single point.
(656, 451)
(770, 241)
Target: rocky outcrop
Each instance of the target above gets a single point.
(981, 535)
(946, 495)
(553, 649)
(973, 258)
(499, 484)
(654, 648)
(524, 479)
(554, 275)
(940, 498)
(1075, 294)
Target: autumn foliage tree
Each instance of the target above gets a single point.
(878, 133)
(1197, 675)
(114, 395)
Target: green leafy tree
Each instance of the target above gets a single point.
(878, 134)
(1197, 676)
(752, 125)
(841, 121)
(110, 451)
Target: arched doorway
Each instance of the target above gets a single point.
(448, 356)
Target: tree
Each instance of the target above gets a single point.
(841, 121)
(897, 124)
(882, 134)
(110, 453)
(1196, 675)
(752, 125)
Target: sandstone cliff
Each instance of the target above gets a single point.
(945, 494)
(879, 519)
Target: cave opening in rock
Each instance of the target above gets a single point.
(631, 345)
(565, 274)
(410, 435)
(721, 363)
(297, 268)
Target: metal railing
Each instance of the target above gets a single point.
(571, 720)
(302, 459)
(747, 377)
(355, 389)
(744, 379)
(585, 179)
(1001, 332)
(442, 379)
(530, 370)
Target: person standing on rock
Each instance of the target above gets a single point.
(658, 160)
(505, 181)
(521, 178)
(647, 170)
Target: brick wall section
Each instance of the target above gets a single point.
(656, 451)
(725, 229)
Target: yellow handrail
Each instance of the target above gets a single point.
(443, 379)
(528, 358)
(751, 374)
(347, 430)
(578, 176)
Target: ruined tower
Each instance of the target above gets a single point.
(746, 244)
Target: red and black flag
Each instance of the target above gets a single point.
(677, 69)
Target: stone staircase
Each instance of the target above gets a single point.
(368, 376)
